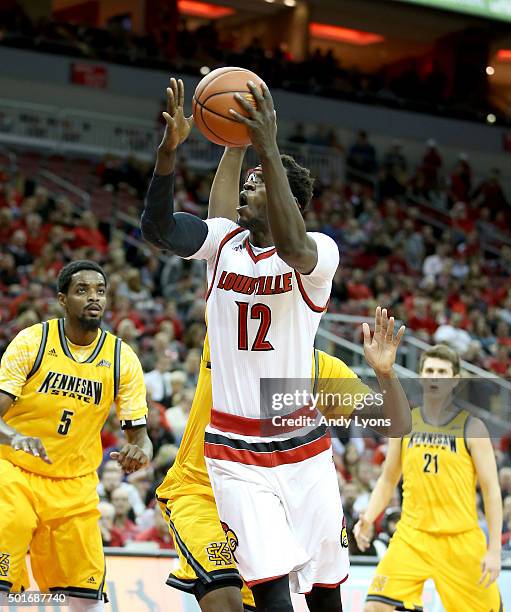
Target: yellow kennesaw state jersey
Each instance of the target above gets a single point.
(63, 393)
(439, 476)
(188, 473)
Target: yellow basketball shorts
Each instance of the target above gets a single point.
(57, 520)
(206, 552)
(453, 562)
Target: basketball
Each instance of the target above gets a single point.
(214, 97)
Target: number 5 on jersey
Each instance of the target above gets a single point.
(65, 422)
(257, 311)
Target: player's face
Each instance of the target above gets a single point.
(252, 208)
(437, 376)
(85, 300)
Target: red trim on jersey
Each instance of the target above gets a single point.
(256, 258)
(261, 580)
(271, 459)
(243, 426)
(328, 586)
(307, 299)
(220, 247)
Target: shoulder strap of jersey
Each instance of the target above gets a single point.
(40, 352)
(117, 366)
(315, 356)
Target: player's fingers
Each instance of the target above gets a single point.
(171, 102)
(377, 320)
(492, 577)
(114, 455)
(367, 333)
(42, 452)
(267, 95)
(399, 335)
(244, 103)
(175, 92)
(170, 120)
(256, 92)
(240, 118)
(181, 93)
(390, 329)
(484, 574)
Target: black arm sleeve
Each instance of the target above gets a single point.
(181, 233)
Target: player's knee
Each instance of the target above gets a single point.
(376, 606)
(273, 596)
(321, 599)
(226, 598)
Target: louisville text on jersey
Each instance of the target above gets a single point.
(72, 387)
(261, 285)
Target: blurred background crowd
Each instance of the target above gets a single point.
(444, 282)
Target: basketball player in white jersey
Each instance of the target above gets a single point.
(269, 283)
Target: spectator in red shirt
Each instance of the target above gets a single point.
(121, 503)
(87, 234)
(7, 225)
(500, 363)
(36, 236)
(431, 164)
(357, 288)
(460, 181)
(110, 535)
(159, 533)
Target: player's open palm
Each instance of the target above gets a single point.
(178, 126)
(380, 349)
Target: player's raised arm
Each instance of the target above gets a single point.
(381, 495)
(380, 352)
(225, 190)
(287, 226)
(180, 233)
(483, 456)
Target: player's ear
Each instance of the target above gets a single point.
(62, 298)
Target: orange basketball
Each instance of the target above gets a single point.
(214, 97)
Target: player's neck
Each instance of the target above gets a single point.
(77, 335)
(261, 238)
(437, 411)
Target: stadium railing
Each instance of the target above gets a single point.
(495, 389)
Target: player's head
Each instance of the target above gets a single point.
(81, 287)
(439, 367)
(252, 209)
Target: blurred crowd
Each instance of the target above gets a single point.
(449, 281)
(171, 45)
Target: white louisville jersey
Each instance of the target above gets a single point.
(262, 314)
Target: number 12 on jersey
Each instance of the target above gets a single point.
(257, 311)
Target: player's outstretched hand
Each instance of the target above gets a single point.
(490, 566)
(131, 458)
(262, 119)
(178, 126)
(380, 350)
(32, 446)
(362, 533)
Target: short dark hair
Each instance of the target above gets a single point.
(444, 352)
(300, 181)
(65, 275)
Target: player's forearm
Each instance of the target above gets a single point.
(165, 163)
(224, 195)
(180, 233)
(6, 433)
(493, 512)
(396, 407)
(380, 498)
(284, 217)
